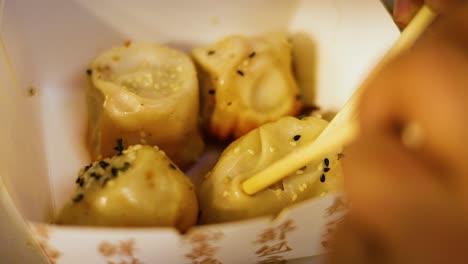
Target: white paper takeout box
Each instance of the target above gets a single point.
(48, 45)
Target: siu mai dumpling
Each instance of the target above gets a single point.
(139, 187)
(246, 82)
(145, 94)
(221, 196)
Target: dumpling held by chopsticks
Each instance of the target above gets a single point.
(221, 196)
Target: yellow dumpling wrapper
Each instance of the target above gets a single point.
(144, 94)
(221, 196)
(246, 82)
(141, 187)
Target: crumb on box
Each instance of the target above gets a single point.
(32, 91)
(127, 43)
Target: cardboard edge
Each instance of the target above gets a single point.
(24, 241)
(269, 220)
(2, 7)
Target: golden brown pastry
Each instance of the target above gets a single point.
(246, 82)
(221, 196)
(139, 187)
(145, 94)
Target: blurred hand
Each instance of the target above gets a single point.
(411, 205)
(404, 10)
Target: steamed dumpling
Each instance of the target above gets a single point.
(246, 82)
(221, 196)
(144, 94)
(139, 187)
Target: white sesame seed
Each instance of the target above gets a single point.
(251, 152)
(131, 156)
(293, 143)
(320, 166)
(303, 187)
(272, 149)
(221, 82)
(294, 197)
(142, 134)
(246, 63)
(136, 147)
(299, 172)
(236, 150)
(110, 183)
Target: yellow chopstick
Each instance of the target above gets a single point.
(343, 127)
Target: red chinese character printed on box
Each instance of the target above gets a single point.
(273, 260)
(273, 242)
(122, 252)
(335, 212)
(202, 250)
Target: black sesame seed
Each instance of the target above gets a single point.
(326, 169)
(119, 148)
(95, 175)
(322, 178)
(327, 162)
(103, 164)
(252, 55)
(78, 198)
(89, 71)
(304, 168)
(78, 180)
(301, 117)
(125, 167)
(87, 167)
(82, 182)
(211, 52)
(229, 104)
(114, 171)
(241, 73)
(297, 137)
(211, 91)
(172, 166)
